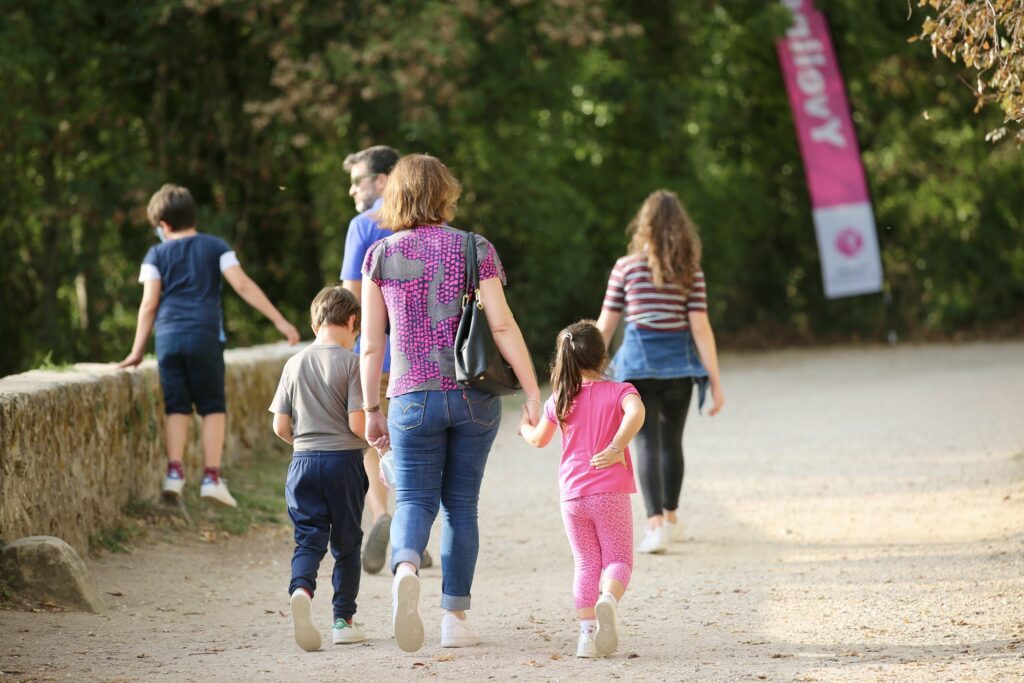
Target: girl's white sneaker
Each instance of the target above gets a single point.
(654, 541)
(607, 639)
(457, 632)
(586, 647)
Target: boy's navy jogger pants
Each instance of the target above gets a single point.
(325, 493)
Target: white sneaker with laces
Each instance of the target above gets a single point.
(405, 594)
(654, 541)
(307, 636)
(217, 492)
(607, 639)
(457, 632)
(586, 648)
(673, 530)
(173, 486)
(346, 633)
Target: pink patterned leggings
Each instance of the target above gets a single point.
(600, 529)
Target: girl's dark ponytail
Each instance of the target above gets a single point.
(578, 349)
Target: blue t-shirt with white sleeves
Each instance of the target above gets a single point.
(364, 231)
(189, 270)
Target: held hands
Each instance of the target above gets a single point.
(524, 422)
(529, 417)
(377, 432)
(608, 457)
(288, 330)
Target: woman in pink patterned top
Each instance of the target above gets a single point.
(440, 433)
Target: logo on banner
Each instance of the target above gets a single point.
(849, 242)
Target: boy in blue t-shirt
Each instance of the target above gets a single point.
(181, 280)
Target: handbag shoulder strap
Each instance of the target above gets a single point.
(472, 271)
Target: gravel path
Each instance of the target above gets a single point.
(852, 515)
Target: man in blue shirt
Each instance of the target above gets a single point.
(368, 172)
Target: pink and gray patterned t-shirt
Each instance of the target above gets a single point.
(422, 275)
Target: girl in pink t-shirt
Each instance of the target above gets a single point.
(597, 419)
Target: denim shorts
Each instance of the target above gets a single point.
(651, 354)
(191, 372)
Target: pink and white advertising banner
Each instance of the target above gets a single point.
(843, 218)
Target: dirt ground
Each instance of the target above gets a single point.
(852, 515)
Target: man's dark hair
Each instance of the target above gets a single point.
(172, 204)
(379, 159)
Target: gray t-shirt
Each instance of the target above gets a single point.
(319, 387)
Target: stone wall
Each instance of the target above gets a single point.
(77, 444)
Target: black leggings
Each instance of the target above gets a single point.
(659, 444)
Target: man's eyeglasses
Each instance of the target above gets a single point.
(358, 180)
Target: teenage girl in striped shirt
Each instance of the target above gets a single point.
(668, 347)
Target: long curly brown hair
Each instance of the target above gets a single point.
(665, 234)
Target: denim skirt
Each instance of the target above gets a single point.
(652, 354)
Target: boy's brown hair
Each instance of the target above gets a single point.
(334, 305)
(420, 191)
(172, 204)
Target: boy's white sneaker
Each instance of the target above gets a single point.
(174, 482)
(217, 492)
(345, 633)
(405, 594)
(457, 632)
(306, 634)
(654, 541)
(607, 639)
(173, 486)
(586, 648)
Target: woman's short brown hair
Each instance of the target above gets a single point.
(420, 191)
(334, 305)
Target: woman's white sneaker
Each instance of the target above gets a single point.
(405, 594)
(306, 634)
(607, 639)
(654, 541)
(457, 632)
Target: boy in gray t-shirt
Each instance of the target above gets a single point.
(318, 409)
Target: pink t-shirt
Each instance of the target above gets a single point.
(591, 425)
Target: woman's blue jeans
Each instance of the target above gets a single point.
(441, 440)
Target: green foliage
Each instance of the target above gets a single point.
(257, 485)
(113, 540)
(988, 37)
(558, 118)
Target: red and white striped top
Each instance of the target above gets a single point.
(631, 288)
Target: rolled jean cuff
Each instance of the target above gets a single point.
(454, 603)
(405, 555)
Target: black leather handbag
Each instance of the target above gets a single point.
(478, 362)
